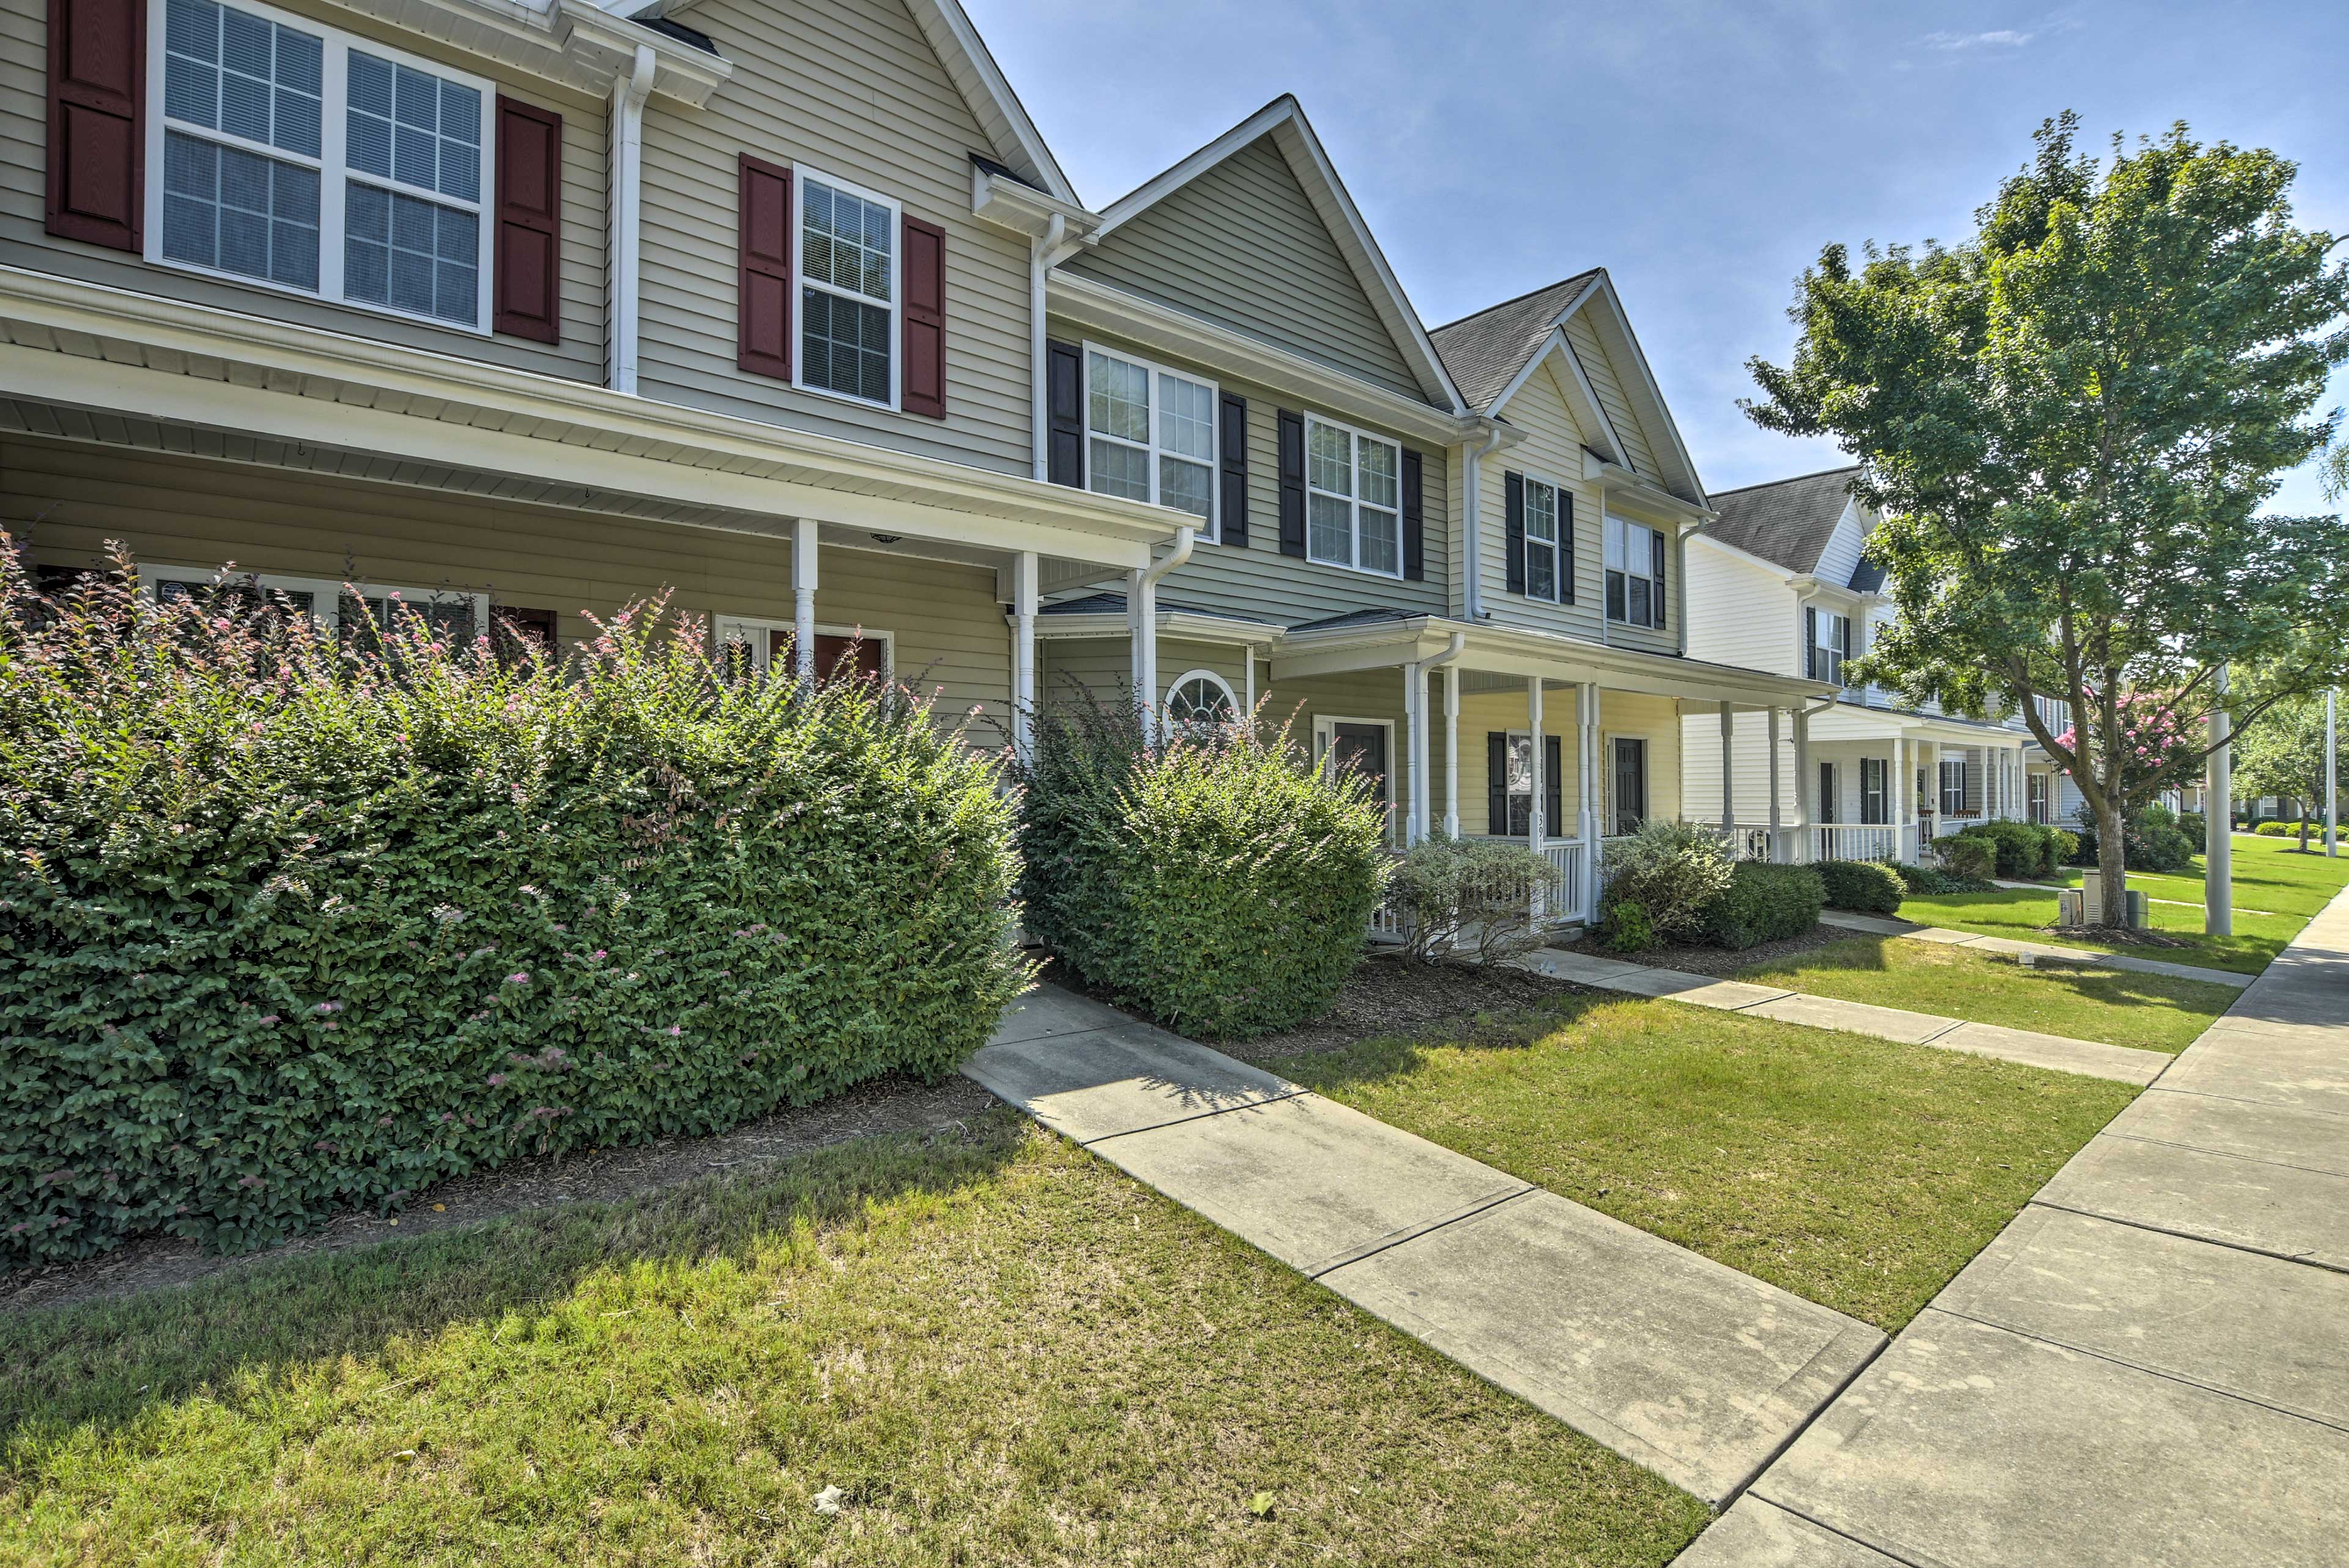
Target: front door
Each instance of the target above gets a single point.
(1630, 793)
(831, 651)
(1363, 748)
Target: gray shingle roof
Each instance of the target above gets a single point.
(1787, 521)
(1484, 352)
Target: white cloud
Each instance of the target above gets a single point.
(2003, 38)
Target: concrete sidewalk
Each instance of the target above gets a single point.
(2039, 953)
(2149, 1365)
(1692, 1370)
(2122, 1064)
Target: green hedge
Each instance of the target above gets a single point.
(1863, 886)
(1927, 881)
(1220, 884)
(286, 927)
(1764, 903)
(2278, 830)
(2021, 847)
(1967, 858)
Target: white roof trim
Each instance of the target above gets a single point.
(1647, 383)
(1328, 192)
(1588, 411)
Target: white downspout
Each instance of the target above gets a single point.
(1472, 599)
(804, 585)
(1458, 645)
(1144, 609)
(1040, 392)
(624, 265)
(1023, 655)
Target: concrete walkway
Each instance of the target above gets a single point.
(2122, 1064)
(2151, 1365)
(1692, 1370)
(2039, 953)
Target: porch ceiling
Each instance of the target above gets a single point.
(78, 361)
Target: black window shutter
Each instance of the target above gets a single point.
(1064, 399)
(1232, 503)
(1553, 786)
(1566, 546)
(1513, 489)
(1842, 647)
(1810, 643)
(1496, 783)
(1414, 526)
(1292, 482)
(1656, 604)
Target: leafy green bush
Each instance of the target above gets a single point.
(1967, 858)
(2020, 847)
(2194, 824)
(286, 927)
(1626, 928)
(1764, 903)
(1928, 881)
(2062, 847)
(1472, 897)
(2151, 840)
(1221, 884)
(1863, 886)
(1671, 870)
(2277, 829)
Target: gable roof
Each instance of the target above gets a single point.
(1786, 522)
(963, 54)
(1486, 352)
(1284, 120)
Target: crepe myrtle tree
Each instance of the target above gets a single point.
(2070, 421)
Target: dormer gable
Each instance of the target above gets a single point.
(1256, 232)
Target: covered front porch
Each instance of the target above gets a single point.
(1481, 732)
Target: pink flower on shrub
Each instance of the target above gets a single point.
(248, 1181)
(519, 976)
(268, 1018)
(326, 1007)
(497, 1081)
(675, 1030)
(599, 952)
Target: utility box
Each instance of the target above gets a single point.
(2086, 907)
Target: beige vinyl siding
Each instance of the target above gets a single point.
(849, 89)
(1260, 582)
(1104, 666)
(1375, 695)
(24, 137)
(1243, 245)
(1739, 613)
(1750, 764)
(1484, 714)
(1608, 384)
(70, 499)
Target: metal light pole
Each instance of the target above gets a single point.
(2332, 790)
(2219, 856)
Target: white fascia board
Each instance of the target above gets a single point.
(602, 430)
(1605, 287)
(570, 43)
(681, 73)
(984, 86)
(1329, 195)
(1023, 210)
(1180, 335)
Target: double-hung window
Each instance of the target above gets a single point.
(848, 290)
(1353, 499)
(1544, 570)
(1635, 560)
(1875, 790)
(1830, 637)
(296, 157)
(1953, 786)
(1151, 434)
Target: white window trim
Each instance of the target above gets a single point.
(1354, 502)
(800, 174)
(333, 164)
(1211, 529)
(1558, 546)
(325, 593)
(725, 629)
(1325, 733)
(1655, 588)
(1221, 684)
(1829, 646)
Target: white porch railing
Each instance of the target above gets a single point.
(1856, 841)
(1559, 906)
(1746, 840)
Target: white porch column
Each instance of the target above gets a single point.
(1585, 713)
(1535, 829)
(1904, 799)
(1728, 774)
(1802, 781)
(803, 599)
(1777, 844)
(1023, 651)
(1452, 753)
(1142, 605)
(1933, 783)
(2218, 853)
(1415, 777)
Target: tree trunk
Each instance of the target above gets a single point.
(2111, 861)
(2303, 833)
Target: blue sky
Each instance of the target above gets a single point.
(1702, 151)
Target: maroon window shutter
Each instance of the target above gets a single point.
(925, 385)
(98, 76)
(763, 301)
(529, 221)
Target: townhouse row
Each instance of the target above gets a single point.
(526, 309)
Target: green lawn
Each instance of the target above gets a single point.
(1856, 1172)
(997, 1347)
(2270, 873)
(2151, 1012)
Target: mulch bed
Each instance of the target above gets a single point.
(1390, 995)
(883, 1106)
(2119, 937)
(1720, 961)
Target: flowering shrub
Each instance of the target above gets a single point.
(1220, 884)
(286, 927)
(2157, 745)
